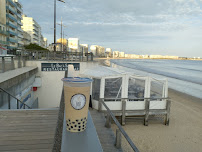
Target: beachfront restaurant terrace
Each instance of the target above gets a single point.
(127, 94)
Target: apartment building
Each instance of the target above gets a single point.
(3, 32)
(30, 26)
(46, 42)
(97, 50)
(26, 38)
(19, 24)
(13, 22)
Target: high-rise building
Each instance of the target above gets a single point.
(3, 32)
(26, 38)
(19, 24)
(46, 42)
(97, 50)
(33, 28)
(13, 22)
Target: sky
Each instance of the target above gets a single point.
(166, 27)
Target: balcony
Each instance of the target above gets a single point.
(19, 22)
(19, 16)
(3, 42)
(13, 40)
(12, 47)
(19, 29)
(11, 17)
(12, 3)
(11, 9)
(3, 32)
(20, 35)
(19, 9)
(11, 25)
(12, 33)
(20, 42)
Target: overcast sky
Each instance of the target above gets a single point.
(167, 27)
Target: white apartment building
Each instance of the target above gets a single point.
(33, 28)
(108, 52)
(97, 50)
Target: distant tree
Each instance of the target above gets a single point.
(32, 46)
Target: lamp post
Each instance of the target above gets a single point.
(62, 25)
(55, 24)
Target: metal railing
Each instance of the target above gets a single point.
(18, 101)
(119, 130)
(146, 111)
(59, 55)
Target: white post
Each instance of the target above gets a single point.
(124, 93)
(102, 90)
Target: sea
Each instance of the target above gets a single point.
(183, 75)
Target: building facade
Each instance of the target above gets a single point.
(19, 24)
(108, 52)
(13, 21)
(46, 42)
(26, 38)
(33, 28)
(3, 31)
(97, 50)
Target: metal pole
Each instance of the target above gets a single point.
(54, 28)
(3, 65)
(17, 104)
(9, 101)
(61, 34)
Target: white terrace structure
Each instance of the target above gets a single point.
(128, 94)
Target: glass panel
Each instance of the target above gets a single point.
(113, 88)
(136, 88)
(156, 89)
(96, 89)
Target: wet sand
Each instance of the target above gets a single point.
(184, 134)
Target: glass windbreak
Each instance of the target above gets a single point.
(113, 88)
(96, 89)
(136, 88)
(156, 89)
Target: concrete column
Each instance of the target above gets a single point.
(3, 66)
(24, 61)
(19, 62)
(12, 63)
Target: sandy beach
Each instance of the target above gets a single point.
(184, 134)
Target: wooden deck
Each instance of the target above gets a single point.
(27, 130)
(106, 135)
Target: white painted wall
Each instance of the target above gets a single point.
(49, 94)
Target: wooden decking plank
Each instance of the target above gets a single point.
(24, 142)
(105, 135)
(25, 147)
(35, 150)
(27, 130)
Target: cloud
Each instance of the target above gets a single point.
(147, 23)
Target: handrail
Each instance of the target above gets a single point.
(16, 99)
(136, 98)
(120, 128)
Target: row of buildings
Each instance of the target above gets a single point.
(16, 29)
(73, 45)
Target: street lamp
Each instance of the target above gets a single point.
(62, 25)
(55, 24)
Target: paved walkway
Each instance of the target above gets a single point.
(106, 135)
(27, 130)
